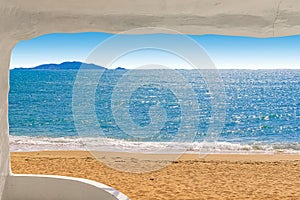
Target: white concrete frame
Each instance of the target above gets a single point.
(25, 19)
(46, 187)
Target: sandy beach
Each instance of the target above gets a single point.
(228, 176)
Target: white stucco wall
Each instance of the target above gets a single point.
(47, 187)
(25, 19)
(5, 48)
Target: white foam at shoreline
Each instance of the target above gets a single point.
(27, 144)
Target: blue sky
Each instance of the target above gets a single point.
(231, 52)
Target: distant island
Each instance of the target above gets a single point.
(68, 66)
(120, 68)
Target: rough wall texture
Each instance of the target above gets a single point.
(25, 19)
(21, 20)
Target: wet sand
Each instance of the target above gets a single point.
(228, 176)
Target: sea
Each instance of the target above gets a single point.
(231, 111)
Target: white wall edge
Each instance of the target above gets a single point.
(16, 188)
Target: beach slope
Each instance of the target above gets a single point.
(211, 177)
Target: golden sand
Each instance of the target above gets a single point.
(212, 177)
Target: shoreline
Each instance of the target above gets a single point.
(31, 144)
(234, 156)
(215, 176)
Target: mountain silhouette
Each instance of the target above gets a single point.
(65, 66)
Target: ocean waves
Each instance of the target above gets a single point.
(27, 144)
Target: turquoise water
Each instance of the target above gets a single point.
(262, 111)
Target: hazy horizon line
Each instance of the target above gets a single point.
(168, 67)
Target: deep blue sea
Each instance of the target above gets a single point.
(261, 110)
